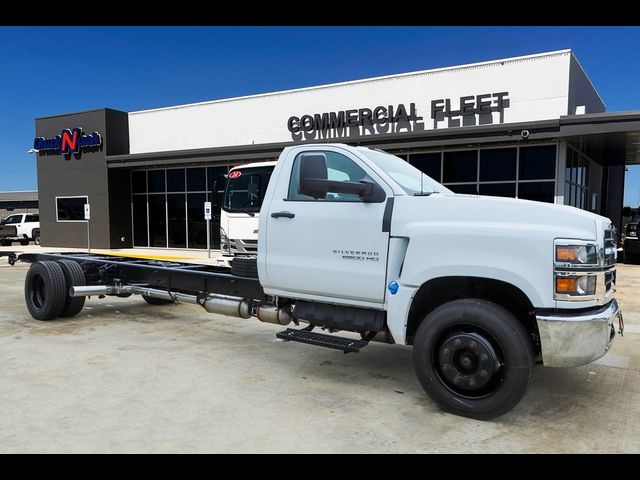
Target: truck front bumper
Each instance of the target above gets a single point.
(570, 339)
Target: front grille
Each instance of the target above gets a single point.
(610, 241)
(609, 279)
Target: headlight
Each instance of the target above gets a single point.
(224, 241)
(576, 285)
(577, 255)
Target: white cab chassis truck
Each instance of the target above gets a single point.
(240, 210)
(357, 240)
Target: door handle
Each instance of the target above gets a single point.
(283, 214)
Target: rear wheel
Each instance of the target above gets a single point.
(473, 358)
(156, 301)
(36, 236)
(24, 241)
(5, 243)
(74, 276)
(45, 290)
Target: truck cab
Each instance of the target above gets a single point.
(240, 210)
(473, 283)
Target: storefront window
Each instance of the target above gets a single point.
(155, 181)
(460, 166)
(498, 164)
(196, 179)
(576, 187)
(470, 189)
(140, 238)
(498, 189)
(537, 163)
(539, 191)
(157, 221)
(139, 182)
(177, 220)
(428, 163)
(175, 180)
(195, 220)
(70, 209)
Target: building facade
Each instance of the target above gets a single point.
(531, 127)
(18, 202)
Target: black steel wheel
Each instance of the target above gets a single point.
(473, 358)
(156, 301)
(74, 277)
(45, 290)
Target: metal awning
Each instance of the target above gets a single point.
(612, 137)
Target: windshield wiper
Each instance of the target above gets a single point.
(424, 194)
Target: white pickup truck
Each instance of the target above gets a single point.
(357, 240)
(20, 227)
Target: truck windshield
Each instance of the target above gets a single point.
(412, 180)
(244, 192)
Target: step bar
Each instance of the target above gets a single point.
(347, 345)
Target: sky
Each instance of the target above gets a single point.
(53, 70)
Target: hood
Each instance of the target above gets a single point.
(465, 211)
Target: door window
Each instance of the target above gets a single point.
(339, 168)
(13, 219)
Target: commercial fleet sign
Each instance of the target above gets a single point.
(443, 112)
(69, 141)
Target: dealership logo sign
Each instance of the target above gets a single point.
(443, 112)
(68, 142)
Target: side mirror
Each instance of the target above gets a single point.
(313, 176)
(313, 182)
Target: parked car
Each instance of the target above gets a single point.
(20, 227)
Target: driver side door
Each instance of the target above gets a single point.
(330, 248)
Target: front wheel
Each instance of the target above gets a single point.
(473, 358)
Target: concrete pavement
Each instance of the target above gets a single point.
(124, 376)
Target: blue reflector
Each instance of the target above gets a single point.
(393, 287)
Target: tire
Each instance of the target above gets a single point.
(156, 301)
(5, 243)
(36, 236)
(245, 267)
(45, 290)
(74, 276)
(459, 341)
(24, 241)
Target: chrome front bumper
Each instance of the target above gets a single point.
(571, 339)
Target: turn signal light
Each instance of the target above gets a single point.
(566, 285)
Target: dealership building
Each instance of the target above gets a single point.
(531, 127)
